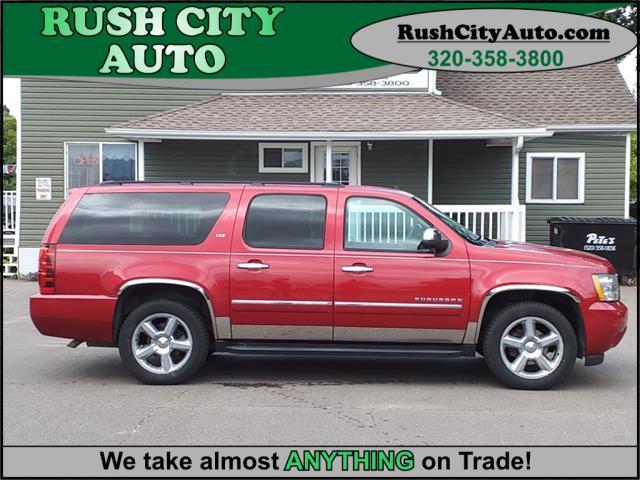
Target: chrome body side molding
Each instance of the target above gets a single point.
(182, 283)
(515, 287)
(280, 302)
(398, 305)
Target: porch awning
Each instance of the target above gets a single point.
(321, 116)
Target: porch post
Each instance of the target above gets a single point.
(328, 164)
(140, 168)
(516, 220)
(430, 173)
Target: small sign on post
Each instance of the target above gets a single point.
(43, 188)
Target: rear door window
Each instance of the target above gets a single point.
(286, 221)
(144, 218)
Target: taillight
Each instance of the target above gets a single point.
(47, 269)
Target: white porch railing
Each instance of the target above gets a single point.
(388, 224)
(9, 227)
(500, 222)
(9, 212)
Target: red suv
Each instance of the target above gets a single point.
(170, 273)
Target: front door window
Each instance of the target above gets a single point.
(344, 162)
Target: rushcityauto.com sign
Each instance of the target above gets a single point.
(293, 45)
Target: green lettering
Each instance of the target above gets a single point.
(236, 14)
(218, 56)
(294, 461)
(140, 58)
(267, 16)
(116, 59)
(328, 458)
(385, 459)
(312, 460)
(182, 21)
(80, 14)
(214, 21)
(179, 52)
(118, 21)
(155, 21)
(404, 460)
(55, 17)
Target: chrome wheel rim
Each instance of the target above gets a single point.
(162, 343)
(531, 347)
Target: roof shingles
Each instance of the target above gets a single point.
(326, 112)
(590, 95)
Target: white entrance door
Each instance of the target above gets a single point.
(345, 161)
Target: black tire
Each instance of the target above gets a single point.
(491, 345)
(193, 324)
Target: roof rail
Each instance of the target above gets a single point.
(198, 182)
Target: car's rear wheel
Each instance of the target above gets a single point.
(530, 345)
(163, 342)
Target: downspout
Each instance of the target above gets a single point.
(517, 233)
(328, 163)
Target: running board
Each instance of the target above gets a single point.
(345, 349)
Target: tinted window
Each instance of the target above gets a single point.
(286, 221)
(378, 224)
(144, 218)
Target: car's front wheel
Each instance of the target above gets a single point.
(163, 342)
(530, 345)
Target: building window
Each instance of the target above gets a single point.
(555, 178)
(283, 158)
(89, 163)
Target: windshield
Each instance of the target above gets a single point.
(462, 231)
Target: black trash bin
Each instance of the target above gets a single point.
(612, 238)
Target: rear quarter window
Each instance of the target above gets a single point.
(144, 218)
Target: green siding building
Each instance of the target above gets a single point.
(499, 153)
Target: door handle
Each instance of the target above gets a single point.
(252, 266)
(356, 269)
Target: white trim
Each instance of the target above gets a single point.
(100, 144)
(19, 177)
(359, 135)
(305, 158)
(555, 156)
(328, 161)
(358, 169)
(140, 162)
(516, 146)
(335, 90)
(622, 127)
(430, 173)
(627, 175)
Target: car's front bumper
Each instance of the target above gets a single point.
(605, 323)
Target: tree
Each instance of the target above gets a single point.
(625, 16)
(8, 147)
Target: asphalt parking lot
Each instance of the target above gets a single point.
(54, 395)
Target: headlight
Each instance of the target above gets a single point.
(607, 287)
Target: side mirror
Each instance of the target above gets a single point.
(433, 240)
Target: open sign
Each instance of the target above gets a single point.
(85, 160)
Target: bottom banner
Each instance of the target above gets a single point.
(410, 462)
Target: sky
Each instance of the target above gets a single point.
(11, 86)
